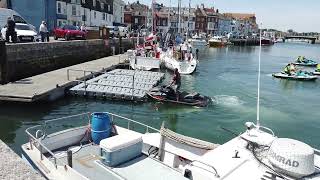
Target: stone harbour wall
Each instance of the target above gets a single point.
(20, 61)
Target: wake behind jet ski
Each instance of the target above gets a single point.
(168, 94)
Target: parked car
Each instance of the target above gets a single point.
(25, 33)
(69, 32)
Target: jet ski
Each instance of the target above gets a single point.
(167, 94)
(316, 72)
(300, 75)
(305, 62)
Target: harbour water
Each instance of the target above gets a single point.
(228, 75)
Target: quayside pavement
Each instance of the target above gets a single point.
(51, 85)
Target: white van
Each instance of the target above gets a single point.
(123, 31)
(5, 13)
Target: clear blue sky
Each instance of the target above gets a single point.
(299, 15)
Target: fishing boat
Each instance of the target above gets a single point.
(124, 153)
(167, 94)
(197, 41)
(145, 56)
(180, 58)
(217, 41)
(302, 76)
(265, 41)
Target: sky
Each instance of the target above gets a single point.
(299, 15)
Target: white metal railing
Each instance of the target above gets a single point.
(35, 142)
(215, 170)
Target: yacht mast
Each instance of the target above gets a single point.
(179, 18)
(188, 27)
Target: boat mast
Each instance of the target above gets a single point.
(189, 18)
(259, 70)
(169, 11)
(152, 15)
(179, 18)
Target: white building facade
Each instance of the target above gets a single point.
(88, 12)
(118, 11)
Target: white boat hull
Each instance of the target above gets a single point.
(184, 67)
(144, 63)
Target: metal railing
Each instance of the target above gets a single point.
(35, 142)
(215, 171)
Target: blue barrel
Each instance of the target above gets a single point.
(100, 127)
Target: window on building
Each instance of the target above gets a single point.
(74, 10)
(94, 3)
(59, 7)
(109, 7)
(103, 16)
(83, 1)
(110, 18)
(102, 6)
(95, 14)
(136, 20)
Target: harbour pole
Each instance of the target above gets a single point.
(259, 70)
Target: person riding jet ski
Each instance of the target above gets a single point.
(318, 68)
(176, 82)
(290, 69)
(301, 59)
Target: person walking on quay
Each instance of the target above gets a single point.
(44, 31)
(83, 28)
(11, 32)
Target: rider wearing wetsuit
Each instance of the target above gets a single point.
(176, 82)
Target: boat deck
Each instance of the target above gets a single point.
(87, 162)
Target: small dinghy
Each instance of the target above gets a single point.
(167, 94)
(302, 75)
(316, 72)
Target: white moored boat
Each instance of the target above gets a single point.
(185, 62)
(255, 154)
(217, 41)
(197, 41)
(145, 56)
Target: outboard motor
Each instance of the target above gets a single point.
(291, 157)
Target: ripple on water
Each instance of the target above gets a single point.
(226, 100)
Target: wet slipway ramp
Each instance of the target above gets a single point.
(122, 84)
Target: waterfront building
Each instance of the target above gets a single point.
(212, 21)
(224, 25)
(201, 20)
(35, 13)
(97, 12)
(136, 15)
(242, 25)
(162, 20)
(118, 12)
(188, 16)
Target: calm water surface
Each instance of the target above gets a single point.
(290, 108)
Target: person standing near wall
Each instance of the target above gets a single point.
(11, 32)
(44, 31)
